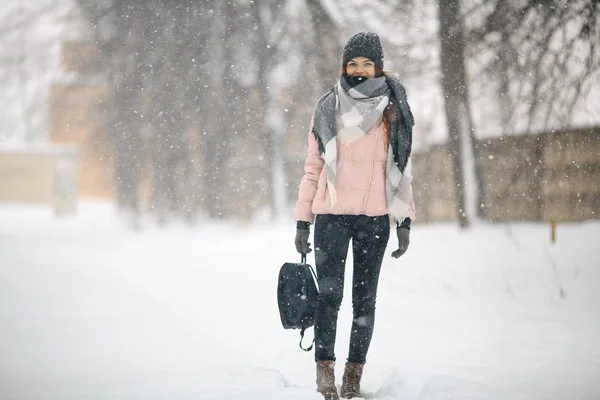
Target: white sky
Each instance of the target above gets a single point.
(29, 63)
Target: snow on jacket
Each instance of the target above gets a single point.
(360, 179)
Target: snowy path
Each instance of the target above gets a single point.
(90, 310)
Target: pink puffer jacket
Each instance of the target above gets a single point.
(360, 179)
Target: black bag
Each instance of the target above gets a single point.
(297, 297)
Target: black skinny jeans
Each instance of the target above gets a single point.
(332, 238)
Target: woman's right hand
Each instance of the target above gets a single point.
(301, 241)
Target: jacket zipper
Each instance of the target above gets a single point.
(364, 206)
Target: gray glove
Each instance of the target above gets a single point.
(403, 241)
(302, 234)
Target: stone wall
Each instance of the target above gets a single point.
(549, 176)
(433, 185)
(40, 175)
(510, 172)
(570, 176)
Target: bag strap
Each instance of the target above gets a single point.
(302, 337)
(303, 261)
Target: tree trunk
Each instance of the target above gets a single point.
(460, 126)
(327, 59)
(272, 116)
(125, 78)
(214, 125)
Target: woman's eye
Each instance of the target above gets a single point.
(352, 65)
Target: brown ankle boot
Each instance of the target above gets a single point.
(326, 380)
(351, 380)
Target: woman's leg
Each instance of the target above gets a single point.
(332, 238)
(369, 242)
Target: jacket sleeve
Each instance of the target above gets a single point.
(310, 181)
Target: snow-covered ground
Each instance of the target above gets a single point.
(91, 310)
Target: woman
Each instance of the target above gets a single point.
(357, 178)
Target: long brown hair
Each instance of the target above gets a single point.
(389, 114)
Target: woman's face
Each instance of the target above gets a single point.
(361, 66)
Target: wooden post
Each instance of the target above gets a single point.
(553, 231)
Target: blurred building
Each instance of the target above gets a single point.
(75, 113)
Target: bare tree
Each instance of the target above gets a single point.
(120, 33)
(458, 116)
(168, 82)
(544, 57)
(214, 125)
(156, 66)
(326, 54)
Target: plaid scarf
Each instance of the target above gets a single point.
(348, 114)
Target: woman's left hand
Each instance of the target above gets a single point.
(403, 241)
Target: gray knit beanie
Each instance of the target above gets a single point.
(364, 44)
